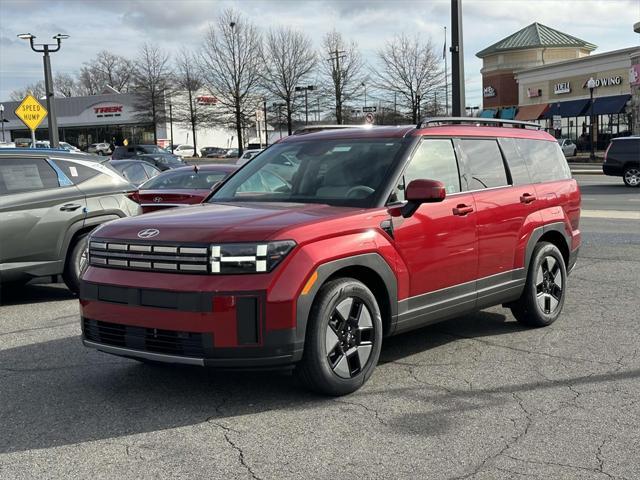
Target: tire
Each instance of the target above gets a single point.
(75, 264)
(344, 336)
(631, 176)
(543, 297)
(101, 153)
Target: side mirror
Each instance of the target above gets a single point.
(422, 191)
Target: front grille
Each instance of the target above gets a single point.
(149, 257)
(170, 342)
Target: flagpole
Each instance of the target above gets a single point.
(446, 75)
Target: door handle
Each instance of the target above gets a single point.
(462, 209)
(69, 207)
(527, 198)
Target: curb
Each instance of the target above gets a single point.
(587, 172)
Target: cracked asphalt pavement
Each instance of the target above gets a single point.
(477, 397)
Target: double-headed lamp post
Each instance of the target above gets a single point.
(591, 85)
(46, 49)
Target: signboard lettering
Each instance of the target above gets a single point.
(606, 81)
(489, 91)
(533, 92)
(368, 109)
(109, 109)
(561, 87)
(31, 112)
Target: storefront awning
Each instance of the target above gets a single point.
(609, 105)
(531, 112)
(508, 113)
(571, 108)
(488, 113)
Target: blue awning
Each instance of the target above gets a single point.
(488, 113)
(508, 113)
(609, 105)
(571, 108)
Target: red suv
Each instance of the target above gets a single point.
(359, 234)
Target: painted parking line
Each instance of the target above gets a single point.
(613, 214)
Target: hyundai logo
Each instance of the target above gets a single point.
(157, 199)
(148, 233)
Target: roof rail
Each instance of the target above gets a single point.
(476, 121)
(318, 128)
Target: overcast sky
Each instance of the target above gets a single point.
(121, 26)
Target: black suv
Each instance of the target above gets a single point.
(622, 159)
(153, 154)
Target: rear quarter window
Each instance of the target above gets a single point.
(75, 172)
(545, 160)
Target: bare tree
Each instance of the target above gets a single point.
(187, 83)
(231, 65)
(288, 60)
(65, 85)
(151, 82)
(106, 68)
(410, 68)
(36, 89)
(342, 67)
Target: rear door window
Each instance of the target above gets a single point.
(517, 166)
(26, 175)
(484, 164)
(544, 159)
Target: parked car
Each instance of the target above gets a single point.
(49, 202)
(248, 155)
(135, 171)
(231, 153)
(180, 186)
(7, 145)
(63, 145)
(622, 159)
(380, 231)
(100, 148)
(149, 153)
(569, 149)
(212, 152)
(184, 150)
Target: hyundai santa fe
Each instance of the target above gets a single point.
(374, 232)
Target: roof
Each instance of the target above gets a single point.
(535, 35)
(350, 133)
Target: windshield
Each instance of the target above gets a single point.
(190, 180)
(335, 172)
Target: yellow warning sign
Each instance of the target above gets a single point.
(31, 112)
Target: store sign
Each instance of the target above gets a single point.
(489, 92)
(108, 109)
(562, 87)
(606, 81)
(206, 100)
(534, 92)
(634, 75)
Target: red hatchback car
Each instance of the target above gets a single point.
(180, 186)
(378, 231)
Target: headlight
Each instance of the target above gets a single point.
(262, 257)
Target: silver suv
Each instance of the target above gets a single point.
(49, 202)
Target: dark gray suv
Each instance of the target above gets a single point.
(622, 159)
(49, 202)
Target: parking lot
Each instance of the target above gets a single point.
(476, 397)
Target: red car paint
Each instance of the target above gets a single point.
(467, 237)
(152, 200)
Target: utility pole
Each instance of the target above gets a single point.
(52, 120)
(446, 76)
(337, 80)
(171, 125)
(306, 100)
(457, 60)
(266, 133)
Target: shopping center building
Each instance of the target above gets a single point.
(540, 74)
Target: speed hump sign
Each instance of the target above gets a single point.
(31, 112)
(369, 118)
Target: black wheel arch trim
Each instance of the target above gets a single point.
(538, 233)
(372, 261)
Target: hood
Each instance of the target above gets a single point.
(221, 222)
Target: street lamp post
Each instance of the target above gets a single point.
(591, 85)
(2, 120)
(46, 49)
(306, 101)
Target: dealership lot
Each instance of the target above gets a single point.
(476, 397)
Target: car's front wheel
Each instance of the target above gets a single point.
(631, 176)
(344, 335)
(543, 297)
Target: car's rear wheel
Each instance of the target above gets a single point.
(631, 176)
(344, 335)
(76, 263)
(543, 297)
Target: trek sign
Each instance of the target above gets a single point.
(31, 112)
